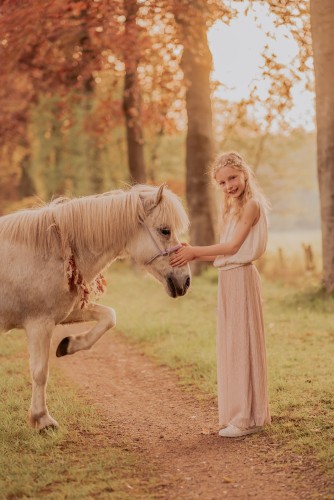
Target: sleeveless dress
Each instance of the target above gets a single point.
(241, 352)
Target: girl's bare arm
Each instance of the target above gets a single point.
(248, 218)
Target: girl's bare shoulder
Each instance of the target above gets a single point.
(251, 212)
(252, 206)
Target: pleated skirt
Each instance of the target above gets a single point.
(241, 351)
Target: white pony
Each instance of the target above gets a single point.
(52, 257)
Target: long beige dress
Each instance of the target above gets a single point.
(241, 352)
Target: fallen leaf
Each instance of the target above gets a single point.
(227, 479)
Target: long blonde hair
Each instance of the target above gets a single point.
(252, 190)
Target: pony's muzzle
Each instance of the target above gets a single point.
(175, 288)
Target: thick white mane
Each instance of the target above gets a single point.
(92, 222)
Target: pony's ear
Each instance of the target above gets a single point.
(159, 194)
(149, 204)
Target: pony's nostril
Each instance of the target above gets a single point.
(187, 283)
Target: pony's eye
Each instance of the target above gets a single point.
(165, 231)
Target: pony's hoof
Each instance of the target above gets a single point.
(62, 349)
(49, 427)
(42, 421)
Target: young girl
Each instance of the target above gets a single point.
(241, 358)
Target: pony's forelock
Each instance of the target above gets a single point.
(170, 213)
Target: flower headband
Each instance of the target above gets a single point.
(232, 161)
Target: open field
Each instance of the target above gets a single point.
(291, 241)
(294, 257)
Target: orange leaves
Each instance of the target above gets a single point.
(84, 47)
(77, 8)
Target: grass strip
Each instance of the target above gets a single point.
(79, 460)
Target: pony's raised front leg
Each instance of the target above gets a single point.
(39, 337)
(106, 319)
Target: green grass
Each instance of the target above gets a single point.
(300, 332)
(76, 461)
(79, 461)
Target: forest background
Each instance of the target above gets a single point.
(97, 94)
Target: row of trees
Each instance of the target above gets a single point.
(149, 63)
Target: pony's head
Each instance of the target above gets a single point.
(161, 219)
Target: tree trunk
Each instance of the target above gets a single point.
(132, 96)
(26, 185)
(322, 22)
(196, 65)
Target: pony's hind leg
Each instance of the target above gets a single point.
(39, 337)
(106, 319)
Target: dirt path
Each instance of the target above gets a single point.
(176, 434)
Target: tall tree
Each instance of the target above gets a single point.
(199, 142)
(322, 22)
(196, 62)
(132, 94)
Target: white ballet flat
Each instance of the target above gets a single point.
(233, 431)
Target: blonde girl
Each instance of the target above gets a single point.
(241, 356)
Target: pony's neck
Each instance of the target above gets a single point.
(91, 265)
(96, 229)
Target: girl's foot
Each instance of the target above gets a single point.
(233, 431)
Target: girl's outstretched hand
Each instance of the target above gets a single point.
(182, 256)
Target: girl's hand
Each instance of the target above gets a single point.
(182, 256)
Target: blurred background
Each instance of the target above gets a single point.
(98, 94)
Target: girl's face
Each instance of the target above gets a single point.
(232, 181)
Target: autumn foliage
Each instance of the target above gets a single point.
(93, 66)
